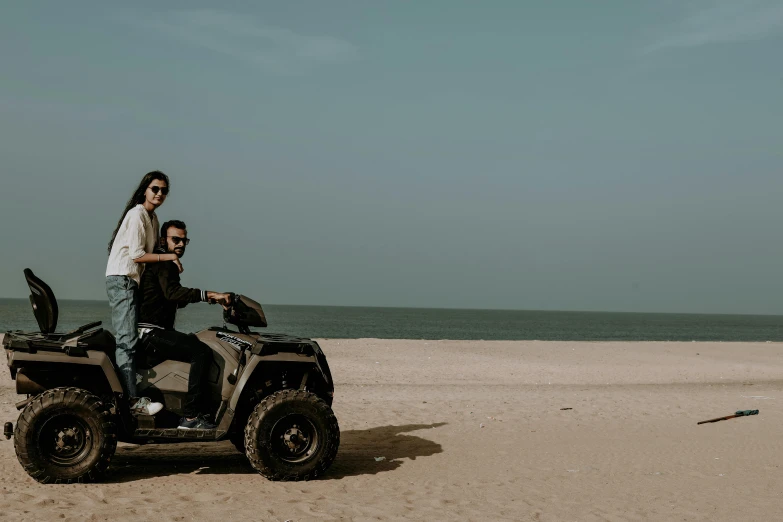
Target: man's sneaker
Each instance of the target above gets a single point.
(143, 406)
(197, 423)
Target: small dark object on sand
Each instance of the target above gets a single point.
(561, 409)
(741, 413)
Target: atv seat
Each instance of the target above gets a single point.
(43, 301)
(46, 310)
(100, 340)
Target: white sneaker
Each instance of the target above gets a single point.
(144, 406)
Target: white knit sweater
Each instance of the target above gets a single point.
(137, 236)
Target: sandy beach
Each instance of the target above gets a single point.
(479, 431)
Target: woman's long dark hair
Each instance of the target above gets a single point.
(138, 197)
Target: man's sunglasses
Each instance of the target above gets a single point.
(177, 240)
(163, 190)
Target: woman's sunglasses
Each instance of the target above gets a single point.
(177, 240)
(163, 190)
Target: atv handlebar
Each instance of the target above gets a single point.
(231, 295)
(243, 312)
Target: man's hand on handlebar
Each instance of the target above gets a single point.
(216, 297)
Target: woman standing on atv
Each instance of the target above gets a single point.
(131, 246)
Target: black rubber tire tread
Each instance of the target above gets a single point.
(260, 455)
(79, 403)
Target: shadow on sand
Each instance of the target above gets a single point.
(358, 450)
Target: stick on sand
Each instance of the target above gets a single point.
(741, 413)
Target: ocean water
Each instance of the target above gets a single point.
(432, 323)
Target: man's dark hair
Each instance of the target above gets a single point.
(175, 223)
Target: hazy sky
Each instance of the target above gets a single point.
(606, 155)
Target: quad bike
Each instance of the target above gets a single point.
(271, 395)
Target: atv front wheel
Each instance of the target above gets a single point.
(291, 435)
(65, 435)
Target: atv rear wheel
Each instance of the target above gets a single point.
(291, 435)
(65, 435)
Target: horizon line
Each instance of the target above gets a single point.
(458, 308)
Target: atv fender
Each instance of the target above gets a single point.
(306, 361)
(43, 360)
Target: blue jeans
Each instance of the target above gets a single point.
(123, 295)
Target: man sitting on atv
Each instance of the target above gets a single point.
(161, 296)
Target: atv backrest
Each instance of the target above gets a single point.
(43, 301)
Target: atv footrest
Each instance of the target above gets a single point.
(175, 433)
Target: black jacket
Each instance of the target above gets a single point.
(162, 293)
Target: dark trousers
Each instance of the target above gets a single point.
(177, 346)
